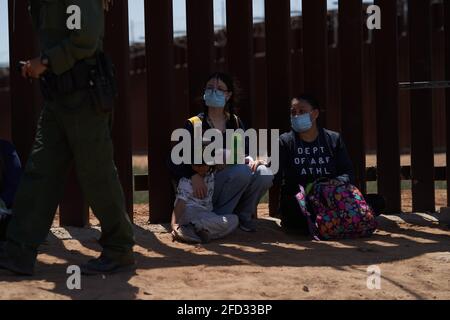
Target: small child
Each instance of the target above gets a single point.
(193, 219)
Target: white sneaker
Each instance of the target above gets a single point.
(186, 234)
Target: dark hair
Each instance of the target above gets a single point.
(309, 99)
(232, 85)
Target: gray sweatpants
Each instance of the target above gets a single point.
(238, 190)
(218, 226)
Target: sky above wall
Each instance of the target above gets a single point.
(137, 26)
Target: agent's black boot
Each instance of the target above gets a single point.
(10, 264)
(105, 265)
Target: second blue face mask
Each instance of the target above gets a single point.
(215, 98)
(301, 123)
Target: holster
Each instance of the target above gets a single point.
(98, 79)
(103, 85)
(75, 79)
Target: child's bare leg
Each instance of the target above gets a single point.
(178, 211)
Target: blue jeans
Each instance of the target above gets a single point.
(217, 226)
(238, 190)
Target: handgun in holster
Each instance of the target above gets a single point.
(103, 86)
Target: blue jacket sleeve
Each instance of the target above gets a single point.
(12, 173)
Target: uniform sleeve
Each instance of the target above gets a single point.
(80, 44)
(12, 174)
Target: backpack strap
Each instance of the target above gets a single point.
(195, 121)
(238, 123)
(301, 198)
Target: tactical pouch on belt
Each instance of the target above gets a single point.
(73, 80)
(98, 78)
(103, 87)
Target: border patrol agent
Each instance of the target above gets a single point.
(78, 87)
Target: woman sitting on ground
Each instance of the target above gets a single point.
(308, 153)
(238, 187)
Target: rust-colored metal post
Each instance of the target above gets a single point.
(279, 68)
(387, 99)
(315, 51)
(422, 152)
(25, 96)
(240, 55)
(117, 46)
(160, 75)
(447, 97)
(200, 38)
(351, 49)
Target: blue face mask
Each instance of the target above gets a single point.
(301, 123)
(215, 98)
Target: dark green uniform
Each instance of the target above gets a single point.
(70, 129)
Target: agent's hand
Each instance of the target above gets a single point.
(199, 186)
(33, 69)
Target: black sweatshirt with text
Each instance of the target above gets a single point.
(304, 162)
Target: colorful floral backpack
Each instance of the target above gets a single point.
(336, 210)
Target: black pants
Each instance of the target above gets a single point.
(292, 219)
(3, 226)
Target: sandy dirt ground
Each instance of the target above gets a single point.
(412, 252)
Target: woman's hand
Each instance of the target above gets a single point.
(199, 186)
(201, 170)
(255, 164)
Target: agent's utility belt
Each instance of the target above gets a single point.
(73, 80)
(98, 78)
